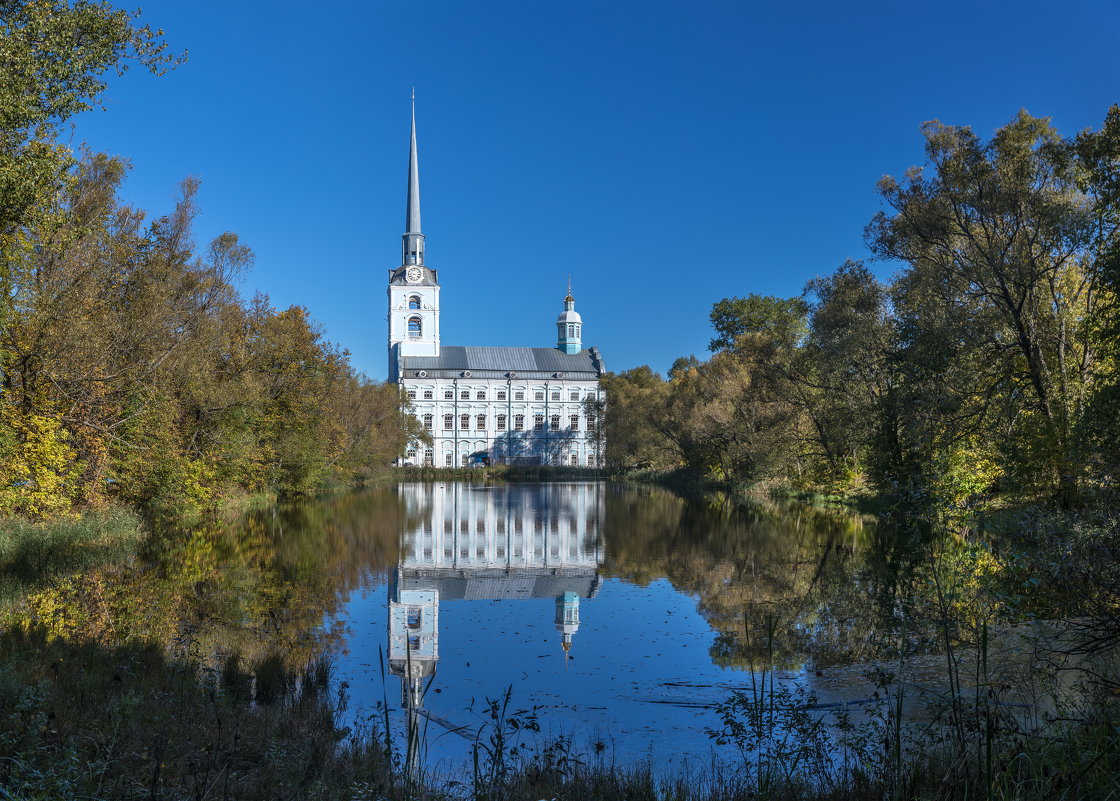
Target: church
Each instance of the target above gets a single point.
(487, 405)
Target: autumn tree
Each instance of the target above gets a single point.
(1001, 244)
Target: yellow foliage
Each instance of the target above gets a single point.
(38, 471)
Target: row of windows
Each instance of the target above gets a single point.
(502, 420)
(501, 394)
(448, 459)
(540, 525)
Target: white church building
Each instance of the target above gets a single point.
(483, 405)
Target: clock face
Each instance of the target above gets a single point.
(414, 274)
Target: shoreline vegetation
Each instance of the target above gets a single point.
(266, 727)
(975, 397)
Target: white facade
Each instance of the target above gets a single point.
(414, 319)
(487, 404)
(541, 421)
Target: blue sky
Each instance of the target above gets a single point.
(666, 154)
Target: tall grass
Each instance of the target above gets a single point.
(35, 553)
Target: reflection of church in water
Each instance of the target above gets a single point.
(477, 543)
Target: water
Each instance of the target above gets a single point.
(619, 617)
(616, 616)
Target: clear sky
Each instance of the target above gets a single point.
(665, 154)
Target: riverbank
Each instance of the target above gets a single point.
(94, 722)
(224, 628)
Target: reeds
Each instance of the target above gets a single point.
(35, 553)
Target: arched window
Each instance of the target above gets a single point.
(571, 330)
(414, 302)
(428, 422)
(414, 328)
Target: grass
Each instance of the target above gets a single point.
(143, 721)
(35, 553)
(132, 722)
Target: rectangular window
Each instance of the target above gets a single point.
(428, 422)
(428, 394)
(447, 460)
(519, 395)
(411, 455)
(448, 422)
(538, 422)
(573, 422)
(413, 643)
(412, 394)
(429, 460)
(519, 422)
(539, 395)
(575, 460)
(501, 422)
(501, 394)
(463, 463)
(480, 395)
(480, 422)
(573, 395)
(554, 422)
(465, 394)
(414, 617)
(464, 422)
(448, 394)
(556, 394)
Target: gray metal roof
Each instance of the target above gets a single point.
(528, 361)
(500, 583)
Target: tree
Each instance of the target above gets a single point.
(633, 399)
(53, 59)
(779, 318)
(1004, 232)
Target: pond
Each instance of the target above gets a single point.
(623, 621)
(620, 617)
(617, 616)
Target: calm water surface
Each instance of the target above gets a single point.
(621, 615)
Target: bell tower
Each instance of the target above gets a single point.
(569, 325)
(413, 287)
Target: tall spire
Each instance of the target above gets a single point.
(413, 239)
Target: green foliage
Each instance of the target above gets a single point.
(988, 366)
(53, 58)
(781, 319)
(176, 391)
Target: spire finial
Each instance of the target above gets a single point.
(568, 298)
(412, 212)
(413, 240)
